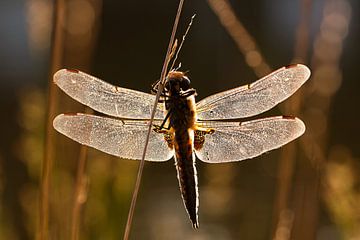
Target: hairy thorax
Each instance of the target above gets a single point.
(183, 115)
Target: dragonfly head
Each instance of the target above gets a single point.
(177, 82)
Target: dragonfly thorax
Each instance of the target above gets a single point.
(180, 101)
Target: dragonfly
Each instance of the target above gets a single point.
(209, 130)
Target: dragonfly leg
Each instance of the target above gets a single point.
(162, 126)
(155, 88)
(188, 93)
(163, 95)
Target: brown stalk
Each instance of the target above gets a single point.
(57, 57)
(160, 89)
(320, 90)
(79, 193)
(289, 152)
(322, 86)
(241, 36)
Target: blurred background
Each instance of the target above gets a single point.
(51, 188)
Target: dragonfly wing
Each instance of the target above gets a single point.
(106, 98)
(255, 98)
(235, 141)
(122, 138)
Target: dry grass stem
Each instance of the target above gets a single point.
(159, 91)
(241, 36)
(57, 57)
(324, 83)
(182, 43)
(289, 152)
(80, 192)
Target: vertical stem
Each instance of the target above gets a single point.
(57, 57)
(79, 193)
(282, 217)
(160, 89)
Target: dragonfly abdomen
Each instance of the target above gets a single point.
(186, 172)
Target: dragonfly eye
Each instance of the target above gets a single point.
(169, 83)
(185, 83)
(177, 83)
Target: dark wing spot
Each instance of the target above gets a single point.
(71, 114)
(291, 65)
(199, 138)
(73, 70)
(169, 138)
(289, 117)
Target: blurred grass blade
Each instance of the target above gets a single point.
(241, 37)
(282, 214)
(57, 57)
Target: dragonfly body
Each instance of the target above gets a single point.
(180, 105)
(209, 129)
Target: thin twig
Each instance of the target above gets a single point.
(57, 57)
(160, 89)
(182, 42)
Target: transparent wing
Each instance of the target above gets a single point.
(106, 98)
(235, 141)
(255, 98)
(125, 139)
